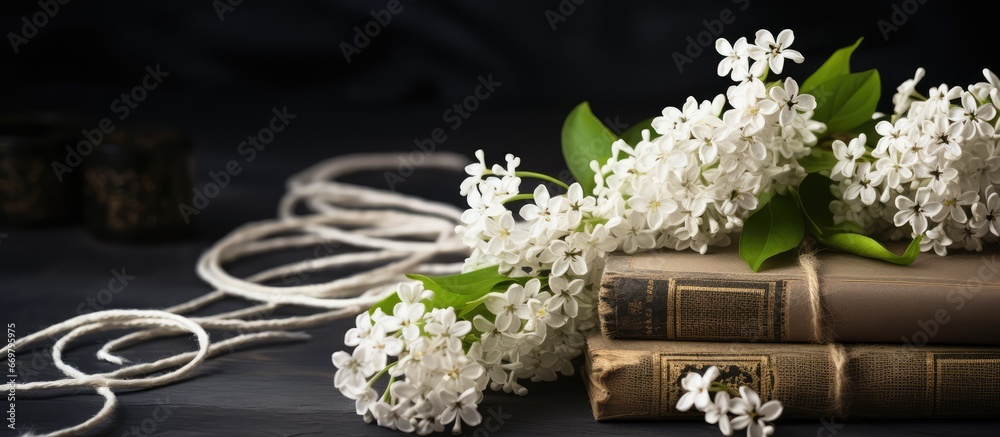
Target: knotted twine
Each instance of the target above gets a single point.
(397, 232)
(821, 331)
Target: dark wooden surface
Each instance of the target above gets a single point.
(283, 389)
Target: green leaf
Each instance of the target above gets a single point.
(386, 304)
(815, 196)
(846, 226)
(455, 290)
(776, 228)
(585, 139)
(847, 101)
(820, 159)
(633, 134)
(472, 305)
(466, 283)
(838, 64)
(458, 290)
(763, 198)
(867, 247)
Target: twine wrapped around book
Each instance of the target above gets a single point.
(822, 333)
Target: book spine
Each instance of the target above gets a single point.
(885, 382)
(637, 304)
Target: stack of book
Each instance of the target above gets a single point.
(886, 341)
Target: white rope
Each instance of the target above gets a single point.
(379, 234)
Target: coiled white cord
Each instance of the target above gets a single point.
(400, 233)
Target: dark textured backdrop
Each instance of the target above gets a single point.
(229, 65)
(547, 55)
(225, 76)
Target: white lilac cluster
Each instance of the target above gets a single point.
(560, 243)
(700, 179)
(432, 383)
(934, 170)
(747, 409)
(685, 189)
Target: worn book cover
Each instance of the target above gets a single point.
(640, 379)
(684, 295)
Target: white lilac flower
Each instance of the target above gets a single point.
(972, 118)
(577, 204)
(718, 413)
(738, 194)
(444, 325)
(894, 168)
(381, 346)
(735, 57)
(752, 106)
(893, 135)
(509, 307)
(677, 122)
(567, 258)
(596, 243)
(939, 134)
(954, 204)
(363, 400)
(753, 416)
(847, 156)
(490, 358)
(715, 144)
(790, 100)
(410, 316)
(936, 239)
(773, 50)
(940, 176)
(543, 212)
(490, 336)
(460, 372)
(459, 408)
(475, 172)
(905, 92)
(968, 236)
(635, 234)
(697, 387)
(411, 292)
(916, 212)
(860, 186)
(564, 295)
(542, 315)
(481, 205)
(503, 234)
(654, 203)
(938, 153)
(687, 189)
(988, 213)
(354, 369)
(358, 334)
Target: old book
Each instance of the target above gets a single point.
(674, 295)
(640, 379)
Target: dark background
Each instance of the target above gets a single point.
(226, 76)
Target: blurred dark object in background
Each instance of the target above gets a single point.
(134, 183)
(382, 76)
(31, 194)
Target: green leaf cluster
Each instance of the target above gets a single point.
(585, 138)
(844, 100)
(780, 226)
(464, 292)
